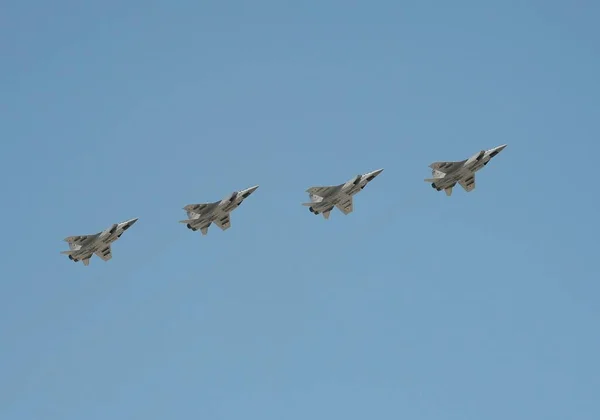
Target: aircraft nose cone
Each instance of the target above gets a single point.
(252, 189)
(132, 221)
(500, 148)
(377, 172)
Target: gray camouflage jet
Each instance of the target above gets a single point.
(84, 246)
(447, 174)
(201, 216)
(324, 199)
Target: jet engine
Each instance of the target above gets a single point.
(475, 158)
(108, 232)
(230, 199)
(353, 182)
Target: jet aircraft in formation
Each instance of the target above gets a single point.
(322, 201)
(447, 174)
(201, 216)
(84, 246)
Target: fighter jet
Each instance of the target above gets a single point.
(201, 216)
(447, 174)
(84, 246)
(324, 199)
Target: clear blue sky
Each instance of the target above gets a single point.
(416, 306)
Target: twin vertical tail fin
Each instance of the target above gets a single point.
(437, 175)
(191, 214)
(313, 200)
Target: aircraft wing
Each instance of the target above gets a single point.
(104, 253)
(346, 206)
(76, 240)
(199, 208)
(322, 191)
(468, 183)
(445, 167)
(223, 222)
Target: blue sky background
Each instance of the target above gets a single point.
(416, 306)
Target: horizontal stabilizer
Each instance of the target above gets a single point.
(308, 204)
(68, 252)
(431, 179)
(188, 221)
